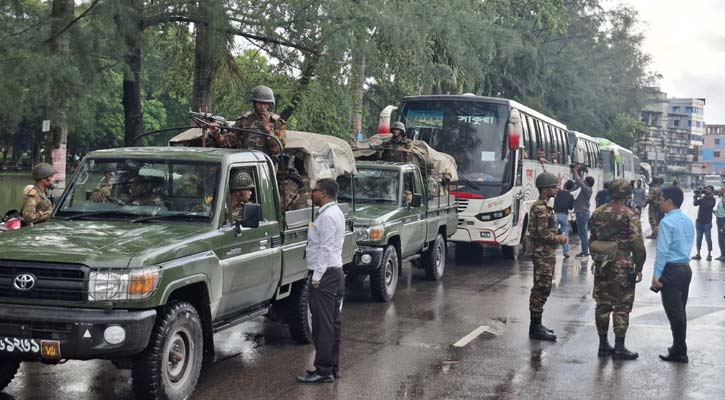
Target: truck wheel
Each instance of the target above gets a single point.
(510, 252)
(384, 280)
(434, 259)
(169, 367)
(299, 317)
(8, 369)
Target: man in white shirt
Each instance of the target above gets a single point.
(324, 259)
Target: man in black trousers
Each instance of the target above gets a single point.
(324, 259)
(672, 273)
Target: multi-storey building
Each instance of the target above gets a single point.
(713, 149)
(675, 132)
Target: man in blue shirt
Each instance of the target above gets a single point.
(672, 273)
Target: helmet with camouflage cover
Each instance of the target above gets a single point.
(620, 189)
(546, 179)
(262, 94)
(398, 125)
(42, 171)
(241, 181)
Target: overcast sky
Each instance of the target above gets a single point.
(686, 40)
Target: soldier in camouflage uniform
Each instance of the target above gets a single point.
(653, 198)
(141, 193)
(616, 274)
(399, 148)
(37, 206)
(104, 189)
(241, 186)
(544, 237)
(261, 119)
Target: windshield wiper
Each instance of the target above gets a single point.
(188, 216)
(95, 213)
(462, 178)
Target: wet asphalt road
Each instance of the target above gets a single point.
(404, 349)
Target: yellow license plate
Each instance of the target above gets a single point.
(50, 349)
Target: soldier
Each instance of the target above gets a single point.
(104, 189)
(241, 186)
(543, 233)
(37, 206)
(617, 233)
(295, 191)
(654, 210)
(261, 119)
(399, 147)
(141, 193)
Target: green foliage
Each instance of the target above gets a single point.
(626, 129)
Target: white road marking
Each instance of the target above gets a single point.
(468, 338)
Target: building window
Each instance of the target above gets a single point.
(689, 123)
(717, 154)
(675, 109)
(717, 141)
(676, 122)
(688, 110)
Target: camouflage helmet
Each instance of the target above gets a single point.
(397, 125)
(262, 94)
(620, 189)
(241, 180)
(42, 171)
(546, 179)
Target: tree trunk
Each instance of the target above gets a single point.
(132, 108)
(62, 13)
(202, 97)
(358, 92)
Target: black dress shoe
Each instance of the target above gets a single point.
(335, 372)
(315, 378)
(680, 358)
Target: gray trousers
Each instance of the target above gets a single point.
(326, 308)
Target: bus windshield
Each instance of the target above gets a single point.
(609, 164)
(473, 132)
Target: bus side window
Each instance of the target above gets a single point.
(526, 137)
(534, 138)
(567, 155)
(555, 151)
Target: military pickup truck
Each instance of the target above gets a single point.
(143, 262)
(402, 213)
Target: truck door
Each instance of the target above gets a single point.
(251, 259)
(413, 232)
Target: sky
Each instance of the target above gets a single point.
(686, 40)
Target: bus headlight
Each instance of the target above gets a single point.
(484, 217)
(122, 285)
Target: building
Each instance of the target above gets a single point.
(713, 149)
(674, 138)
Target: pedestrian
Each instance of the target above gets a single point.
(324, 259)
(639, 196)
(581, 208)
(602, 196)
(543, 234)
(563, 203)
(703, 223)
(259, 119)
(619, 254)
(672, 273)
(653, 211)
(37, 206)
(720, 220)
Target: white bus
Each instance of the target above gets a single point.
(618, 162)
(495, 143)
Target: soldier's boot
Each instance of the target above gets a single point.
(605, 349)
(538, 331)
(621, 352)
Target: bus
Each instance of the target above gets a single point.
(500, 147)
(618, 162)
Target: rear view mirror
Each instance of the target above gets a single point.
(417, 200)
(252, 215)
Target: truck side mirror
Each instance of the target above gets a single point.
(252, 216)
(417, 200)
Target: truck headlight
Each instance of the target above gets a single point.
(120, 285)
(369, 233)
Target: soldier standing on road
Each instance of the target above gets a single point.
(37, 206)
(543, 233)
(240, 193)
(654, 208)
(260, 119)
(399, 147)
(618, 269)
(324, 259)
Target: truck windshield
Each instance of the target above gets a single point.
(372, 185)
(133, 188)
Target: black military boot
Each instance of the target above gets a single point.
(538, 331)
(621, 352)
(605, 349)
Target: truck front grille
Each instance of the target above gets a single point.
(50, 281)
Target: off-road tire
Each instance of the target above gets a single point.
(8, 369)
(299, 318)
(384, 280)
(434, 259)
(178, 329)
